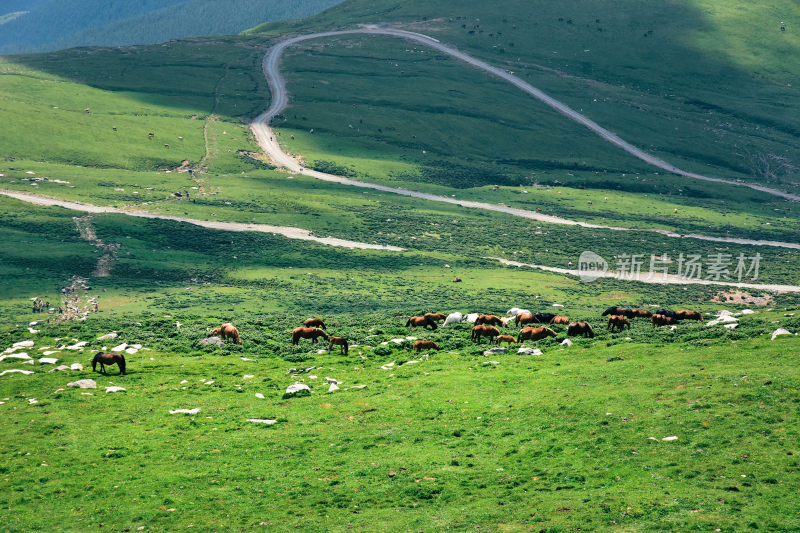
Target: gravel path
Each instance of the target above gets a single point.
(277, 85)
(286, 231)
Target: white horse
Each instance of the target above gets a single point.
(453, 318)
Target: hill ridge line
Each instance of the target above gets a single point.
(280, 100)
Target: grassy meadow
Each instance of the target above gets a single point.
(572, 439)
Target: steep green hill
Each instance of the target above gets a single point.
(58, 24)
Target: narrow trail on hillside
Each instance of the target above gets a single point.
(268, 141)
(658, 279)
(286, 231)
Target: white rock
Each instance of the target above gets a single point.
(13, 370)
(115, 389)
(119, 347)
(33, 323)
(186, 411)
(33, 331)
(87, 394)
(259, 396)
(32, 401)
(453, 318)
(673, 328)
(496, 350)
(209, 382)
(411, 338)
(780, 331)
(27, 362)
(746, 312)
(398, 341)
(60, 368)
(247, 359)
(84, 384)
(529, 351)
(48, 361)
(724, 319)
(312, 376)
(558, 305)
(669, 438)
(331, 380)
(566, 342)
(137, 346)
(472, 317)
(730, 326)
(131, 350)
(21, 355)
(491, 362)
(262, 421)
(23, 344)
(77, 345)
(333, 387)
(724, 312)
(292, 390)
(411, 362)
(248, 376)
(387, 366)
(50, 352)
(358, 386)
(108, 336)
(514, 311)
(320, 352)
(76, 366)
(628, 339)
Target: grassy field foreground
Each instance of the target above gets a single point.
(572, 439)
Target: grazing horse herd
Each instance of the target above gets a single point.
(485, 326)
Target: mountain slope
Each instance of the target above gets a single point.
(56, 24)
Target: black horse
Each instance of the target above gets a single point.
(109, 358)
(667, 313)
(616, 310)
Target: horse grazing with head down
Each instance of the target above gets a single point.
(484, 331)
(314, 323)
(618, 322)
(580, 328)
(425, 345)
(227, 331)
(308, 333)
(689, 315)
(525, 318)
(489, 320)
(661, 320)
(641, 313)
(341, 342)
(436, 317)
(421, 322)
(559, 319)
(108, 358)
(534, 334)
(506, 338)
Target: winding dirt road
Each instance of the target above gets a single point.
(277, 85)
(286, 231)
(268, 141)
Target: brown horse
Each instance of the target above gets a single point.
(484, 331)
(421, 322)
(618, 322)
(559, 319)
(436, 317)
(662, 320)
(341, 342)
(689, 315)
(506, 338)
(534, 334)
(227, 331)
(456, 280)
(641, 313)
(580, 328)
(425, 345)
(489, 320)
(314, 323)
(108, 358)
(308, 333)
(525, 318)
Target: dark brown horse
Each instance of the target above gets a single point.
(425, 345)
(580, 328)
(308, 333)
(618, 322)
(421, 322)
(559, 319)
(341, 342)
(689, 315)
(436, 317)
(108, 358)
(484, 331)
(662, 320)
(489, 320)
(534, 334)
(314, 323)
(641, 313)
(227, 331)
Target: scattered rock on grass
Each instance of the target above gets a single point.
(185, 411)
(215, 341)
(334, 387)
(780, 331)
(266, 421)
(566, 342)
(108, 336)
(529, 351)
(76, 366)
(496, 350)
(48, 361)
(13, 370)
(84, 384)
(670, 438)
(115, 389)
(296, 390)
